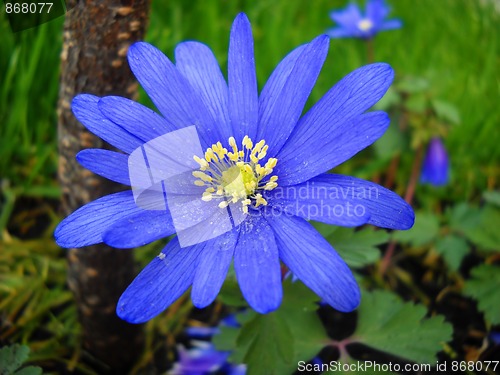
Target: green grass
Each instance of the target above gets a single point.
(453, 43)
(29, 62)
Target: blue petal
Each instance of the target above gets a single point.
(340, 32)
(391, 24)
(203, 332)
(315, 262)
(199, 360)
(198, 64)
(108, 164)
(242, 80)
(160, 283)
(139, 229)
(334, 125)
(86, 110)
(348, 17)
(257, 265)
(87, 225)
(376, 11)
(316, 200)
(141, 121)
(435, 167)
(169, 90)
(382, 207)
(284, 102)
(275, 83)
(212, 268)
(314, 158)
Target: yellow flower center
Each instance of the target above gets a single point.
(365, 25)
(236, 175)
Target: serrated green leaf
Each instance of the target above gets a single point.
(386, 323)
(453, 249)
(485, 288)
(486, 234)
(299, 309)
(291, 334)
(425, 230)
(479, 225)
(12, 357)
(269, 341)
(463, 217)
(446, 111)
(357, 248)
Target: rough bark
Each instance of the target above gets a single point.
(97, 35)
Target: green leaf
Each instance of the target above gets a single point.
(464, 217)
(479, 225)
(453, 249)
(274, 343)
(417, 103)
(424, 231)
(269, 342)
(386, 323)
(390, 99)
(492, 197)
(446, 111)
(12, 357)
(484, 287)
(412, 85)
(299, 308)
(358, 248)
(391, 143)
(230, 293)
(486, 234)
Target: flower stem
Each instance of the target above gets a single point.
(370, 51)
(410, 192)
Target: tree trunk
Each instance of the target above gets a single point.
(97, 35)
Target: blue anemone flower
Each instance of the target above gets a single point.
(352, 23)
(274, 180)
(436, 167)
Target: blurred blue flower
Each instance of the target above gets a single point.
(274, 185)
(204, 358)
(200, 360)
(353, 24)
(436, 168)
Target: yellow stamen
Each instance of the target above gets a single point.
(202, 176)
(236, 175)
(223, 204)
